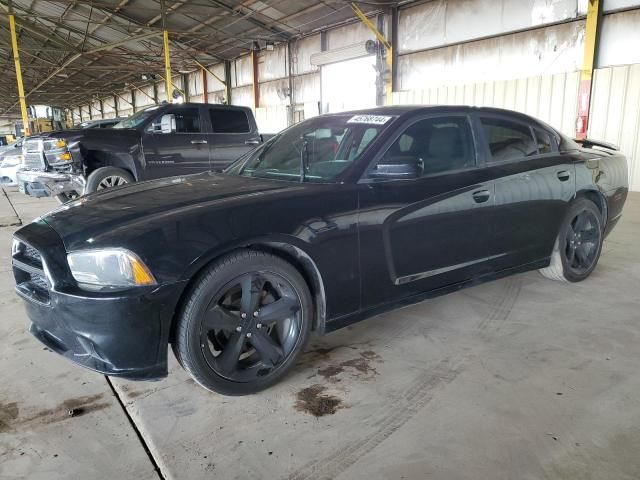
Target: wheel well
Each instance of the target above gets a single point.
(292, 255)
(598, 199)
(94, 160)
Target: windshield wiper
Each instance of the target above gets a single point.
(304, 159)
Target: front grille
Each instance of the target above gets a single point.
(29, 273)
(32, 253)
(32, 151)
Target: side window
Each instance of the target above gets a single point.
(187, 120)
(228, 120)
(543, 140)
(508, 140)
(435, 145)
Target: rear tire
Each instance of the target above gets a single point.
(107, 177)
(244, 323)
(578, 245)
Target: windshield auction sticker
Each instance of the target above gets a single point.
(370, 119)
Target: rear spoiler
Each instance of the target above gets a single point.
(588, 143)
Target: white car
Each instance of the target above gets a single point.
(9, 165)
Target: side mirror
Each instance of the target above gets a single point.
(168, 123)
(397, 168)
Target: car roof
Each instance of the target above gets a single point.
(427, 109)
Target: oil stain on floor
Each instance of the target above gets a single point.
(315, 401)
(312, 400)
(72, 407)
(359, 367)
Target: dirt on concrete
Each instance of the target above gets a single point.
(70, 408)
(361, 365)
(312, 400)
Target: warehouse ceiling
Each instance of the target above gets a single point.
(73, 50)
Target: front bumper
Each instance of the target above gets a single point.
(124, 333)
(37, 183)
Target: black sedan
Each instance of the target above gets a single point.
(335, 219)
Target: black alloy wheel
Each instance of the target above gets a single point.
(578, 244)
(244, 322)
(582, 242)
(250, 329)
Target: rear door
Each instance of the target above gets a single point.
(233, 133)
(534, 184)
(182, 152)
(428, 232)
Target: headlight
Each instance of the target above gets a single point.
(11, 161)
(58, 157)
(55, 144)
(109, 268)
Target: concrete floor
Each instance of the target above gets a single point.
(521, 378)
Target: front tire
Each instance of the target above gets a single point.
(107, 177)
(66, 197)
(245, 321)
(578, 245)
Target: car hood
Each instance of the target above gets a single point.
(100, 135)
(131, 207)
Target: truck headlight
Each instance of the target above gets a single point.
(115, 267)
(11, 161)
(55, 144)
(59, 157)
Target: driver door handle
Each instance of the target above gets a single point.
(198, 142)
(252, 142)
(481, 196)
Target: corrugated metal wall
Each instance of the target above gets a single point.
(615, 113)
(551, 98)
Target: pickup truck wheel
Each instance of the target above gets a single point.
(578, 245)
(67, 197)
(244, 323)
(107, 177)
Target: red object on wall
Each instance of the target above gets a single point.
(584, 100)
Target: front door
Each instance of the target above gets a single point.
(181, 152)
(428, 232)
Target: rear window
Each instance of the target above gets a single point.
(229, 120)
(508, 140)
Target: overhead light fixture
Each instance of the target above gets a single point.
(270, 46)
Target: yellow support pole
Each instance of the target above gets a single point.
(16, 60)
(592, 29)
(167, 67)
(167, 58)
(369, 24)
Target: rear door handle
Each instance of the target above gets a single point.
(563, 175)
(481, 196)
(252, 142)
(198, 142)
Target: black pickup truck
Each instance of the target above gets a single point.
(159, 141)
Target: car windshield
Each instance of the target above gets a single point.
(136, 119)
(316, 150)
